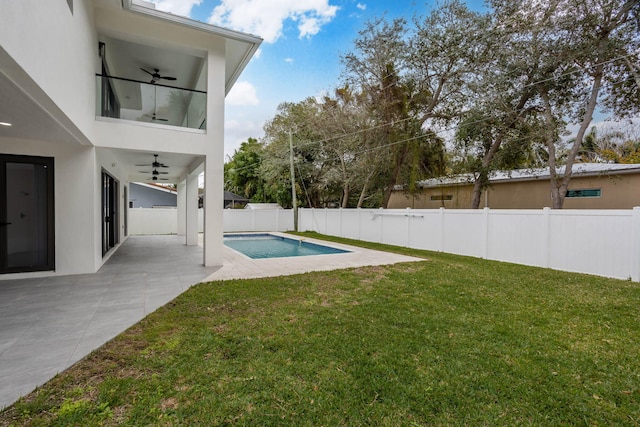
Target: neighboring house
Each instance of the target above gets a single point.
(233, 201)
(593, 186)
(95, 95)
(143, 195)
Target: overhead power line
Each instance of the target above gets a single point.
(446, 129)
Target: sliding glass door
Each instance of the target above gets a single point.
(110, 234)
(26, 214)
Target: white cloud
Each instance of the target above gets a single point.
(242, 94)
(361, 6)
(288, 60)
(177, 7)
(266, 18)
(238, 130)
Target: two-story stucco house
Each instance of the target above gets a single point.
(94, 95)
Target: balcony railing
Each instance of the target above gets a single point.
(151, 103)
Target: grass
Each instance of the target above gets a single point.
(446, 341)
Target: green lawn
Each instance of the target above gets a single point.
(446, 341)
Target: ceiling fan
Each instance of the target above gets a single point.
(155, 76)
(156, 174)
(154, 118)
(156, 164)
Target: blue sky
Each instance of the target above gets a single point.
(300, 55)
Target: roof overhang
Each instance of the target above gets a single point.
(580, 170)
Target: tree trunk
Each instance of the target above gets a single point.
(393, 179)
(559, 185)
(478, 186)
(363, 193)
(482, 179)
(345, 195)
(477, 193)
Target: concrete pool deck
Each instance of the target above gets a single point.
(239, 266)
(50, 323)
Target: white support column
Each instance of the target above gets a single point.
(214, 161)
(182, 208)
(192, 209)
(213, 206)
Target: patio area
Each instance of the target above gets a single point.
(50, 323)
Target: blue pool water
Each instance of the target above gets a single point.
(270, 246)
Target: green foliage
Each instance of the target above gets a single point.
(610, 147)
(508, 82)
(242, 172)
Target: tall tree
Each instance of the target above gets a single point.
(295, 121)
(590, 43)
(242, 171)
(501, 126)
(410, 79)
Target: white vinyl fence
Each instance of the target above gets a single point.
(600, 242)
(165, 221)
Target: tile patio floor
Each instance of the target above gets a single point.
(48, 324)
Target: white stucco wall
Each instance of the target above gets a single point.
(55, 53)
(57, 50)
(76, 217)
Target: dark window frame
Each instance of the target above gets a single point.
(584, 193)
(49, 163)
(110, 212)
(441, 197)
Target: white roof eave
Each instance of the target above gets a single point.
(579, 170)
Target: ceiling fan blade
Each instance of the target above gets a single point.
(148, 72)
(153, 118)
(168, 78)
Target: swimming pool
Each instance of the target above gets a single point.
(265, 245)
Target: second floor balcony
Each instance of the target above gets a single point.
(159, 104)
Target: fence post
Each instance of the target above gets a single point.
(485, 232)
(381, 217)
(546, 225)
(325, 221)
(441, 245)
(635, 242)
(408, 228)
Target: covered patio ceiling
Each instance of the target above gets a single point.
(34, 117)
(178, 165)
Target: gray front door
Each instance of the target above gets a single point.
(26, 214)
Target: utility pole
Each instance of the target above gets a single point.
(293, 184)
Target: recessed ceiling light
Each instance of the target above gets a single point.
(5, 124)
